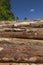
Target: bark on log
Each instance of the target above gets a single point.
(34, 24)
(22, 51)
(21, 64)
(29, 24)
(31, 33)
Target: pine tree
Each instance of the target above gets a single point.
(25, 18)
(5, 12)
(17, 18)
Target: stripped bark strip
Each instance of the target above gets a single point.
(21, 51)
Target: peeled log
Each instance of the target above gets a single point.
(30, 33)
(23, 51)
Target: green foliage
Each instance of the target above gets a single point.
(17, 18)
(25, 18)
(5, 12)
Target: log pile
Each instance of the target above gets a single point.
(21, 42)
(22, 30)
(25, 51)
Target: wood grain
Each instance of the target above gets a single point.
(21, 51)
(30, 33)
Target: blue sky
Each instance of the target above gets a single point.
(27, 8)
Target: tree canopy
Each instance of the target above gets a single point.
(17, 18)
(5, 12)
(25, 18)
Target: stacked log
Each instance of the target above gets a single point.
(31, 33)
(23, 44)
(24, 51)
(22, 30)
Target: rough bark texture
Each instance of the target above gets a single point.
(19, 64)
(33, 24)
(13, 46)
(31, 51)
(31, 33)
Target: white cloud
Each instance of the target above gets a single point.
(32, 10)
